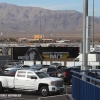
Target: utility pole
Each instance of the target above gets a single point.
(2, 28)
(85, 14)
(2, 32)
(93, 27)
(40, 27)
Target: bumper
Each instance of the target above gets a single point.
(56, 89)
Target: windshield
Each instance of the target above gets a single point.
(42, 75)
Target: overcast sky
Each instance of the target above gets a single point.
(59, 4)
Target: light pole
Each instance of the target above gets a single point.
(51, 31)
(55, 16)
(2, 32)
(2, 28)
(40, 26)
(93, 27)
(85, 14)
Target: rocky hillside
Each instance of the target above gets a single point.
(34, 20)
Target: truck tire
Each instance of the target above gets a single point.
(1, 88)
(44, 91)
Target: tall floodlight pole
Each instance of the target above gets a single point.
(93, 27)
(2, 32)
(2, 28)
(55, 18)
(40, 27)
(85, 14)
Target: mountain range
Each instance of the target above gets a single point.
(34, 20)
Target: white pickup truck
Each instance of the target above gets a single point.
(32, 80)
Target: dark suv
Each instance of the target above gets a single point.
(52, 71)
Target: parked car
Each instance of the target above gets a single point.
(11, 64)
(60, 67)
(20, 66)
(25, 66)
(52, 71)
(56, 64)
(15, 67)
(11, 72)
(66, 73)
(38, 66)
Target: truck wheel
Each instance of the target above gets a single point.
(44, 91)
(1, 88)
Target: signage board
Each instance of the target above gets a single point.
(41, 53)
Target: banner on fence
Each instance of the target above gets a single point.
(41, 53)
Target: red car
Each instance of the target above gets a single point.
(11, 72)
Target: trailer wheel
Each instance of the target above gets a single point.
(1, 88)
(44, 91)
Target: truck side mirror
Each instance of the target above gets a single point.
(33, 77)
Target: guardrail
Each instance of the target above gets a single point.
(85, 87)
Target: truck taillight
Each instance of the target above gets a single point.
(65, 74)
